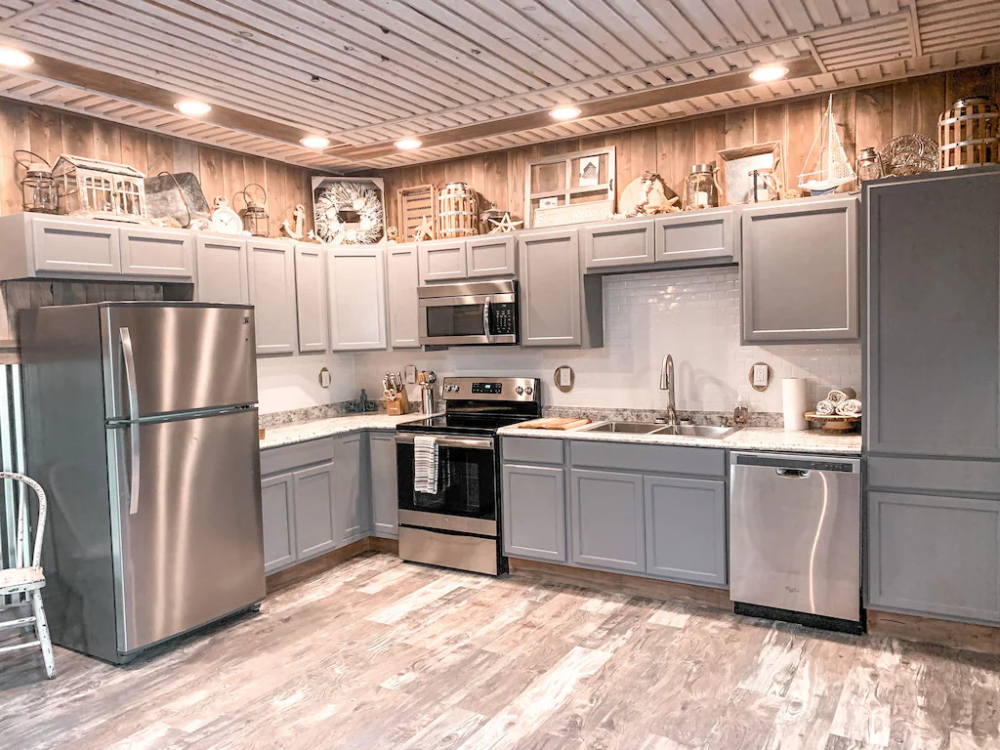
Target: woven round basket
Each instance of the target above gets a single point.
(969, 134)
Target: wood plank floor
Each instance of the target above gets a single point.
(380, 654)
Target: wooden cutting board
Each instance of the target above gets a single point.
(554, 423)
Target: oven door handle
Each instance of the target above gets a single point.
(452, 442)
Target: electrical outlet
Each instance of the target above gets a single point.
(760, 375)
(411, 374)
(565, 377)
(324, 378)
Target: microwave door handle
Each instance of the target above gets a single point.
(486, 322)
(133, 414)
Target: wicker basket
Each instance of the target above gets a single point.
(458, 211)
(969, 134)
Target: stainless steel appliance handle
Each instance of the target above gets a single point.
(486, 321)
(453, 442)
(133, 413)
(793, 473)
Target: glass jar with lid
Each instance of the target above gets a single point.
(701, 189)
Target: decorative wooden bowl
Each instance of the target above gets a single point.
(833, 422)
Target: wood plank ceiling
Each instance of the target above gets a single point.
(366, 73)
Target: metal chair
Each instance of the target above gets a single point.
(22, 579)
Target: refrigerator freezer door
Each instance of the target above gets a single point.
(184, 357)
(192, 550)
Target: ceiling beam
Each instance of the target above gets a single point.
(43, 6)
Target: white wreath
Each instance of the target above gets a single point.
(361, 197)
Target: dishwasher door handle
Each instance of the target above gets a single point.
(793, 473)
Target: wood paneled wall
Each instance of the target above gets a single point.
(50, 132)
(867, 117)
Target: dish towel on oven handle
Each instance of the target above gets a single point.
(425, 464)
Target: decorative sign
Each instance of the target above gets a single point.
(575, 213)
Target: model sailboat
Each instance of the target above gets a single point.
(827, 164)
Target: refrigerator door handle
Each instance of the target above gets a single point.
(133, 412)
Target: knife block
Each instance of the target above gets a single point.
(398, 406)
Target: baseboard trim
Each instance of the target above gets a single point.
(389, 546)
(622, 583)
(963, 635)
(309, 568)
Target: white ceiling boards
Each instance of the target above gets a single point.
(463, 76)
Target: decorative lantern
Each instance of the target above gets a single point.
(701, 189)
(38, 188)
(255, 218)
(100, 189)
(869, 165)
(762, 185)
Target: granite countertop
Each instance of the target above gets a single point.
(749, 438)
(319, 428)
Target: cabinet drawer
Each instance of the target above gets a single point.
(658, 459)
(491, 256)
(935, 475)
(288, 457)
(73, 247)
(696, 237)
(157, 252)
(625, 243)
(532, 450)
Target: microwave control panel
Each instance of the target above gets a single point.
(503, 320)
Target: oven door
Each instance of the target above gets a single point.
(455, 320)
(466, 500)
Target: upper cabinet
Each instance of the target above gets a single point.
(221, 270)
(617, 244)
(485, 256)
(272, 293)
(151, 251)
(310, 297)
(401, 278)
(356, 287)
(800, 271)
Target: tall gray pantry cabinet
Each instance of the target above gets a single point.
(932, 381)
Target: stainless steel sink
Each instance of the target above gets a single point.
(631, 428)
(698, 430)
(650, 428)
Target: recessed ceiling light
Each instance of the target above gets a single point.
(408, 144)
(565, 113)
(768, 73)
(14, 58)
(192, 108)
(315, 141)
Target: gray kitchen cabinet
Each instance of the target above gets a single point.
(685, 522)
(442, 260)
(707, 237)
(934, 554)
(534, 512)
(402, 280)
(559, 306)
(271, 267)
(350, 488)
(933, 385)
(315, 523)
(356, 287)
(155, 252)
(310, 297)
(617, 244)
(69, 247)
(800, 271)
(491, 256)
(279, 522)
(221, 270)
(384, 491)
(607, 527)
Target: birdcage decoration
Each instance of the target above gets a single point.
(38, 187)
(98, 189)
(255, 218)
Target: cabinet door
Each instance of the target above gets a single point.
(491, 256)
(800, 271)
(686, 529)
(442, 261)
(606, 520)
(534, 512)
(401, 282)
(385, 502)
(75, 247)
(278, 504)
(351, 488)
(315, 524)
(550, 288)
(157, 252)
(221, 270)
(935, 555)
(700, 236)
(624, 243)
(934, 317)
(272, 293)
(310, 297)
(356, 283)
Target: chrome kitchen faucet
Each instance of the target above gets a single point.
(667, 384)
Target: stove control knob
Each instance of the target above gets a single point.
(519, 390)
(529, 390)
(454, 388)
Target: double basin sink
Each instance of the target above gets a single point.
(649, 428)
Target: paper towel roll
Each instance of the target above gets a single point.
(793, 400)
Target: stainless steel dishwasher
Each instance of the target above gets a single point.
(795, 539)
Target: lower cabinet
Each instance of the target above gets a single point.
(607, 527)
(315, 522)
(385, 501)
(686, 529)
(276, 497)
(534, 512)
(350, 489)
(934, 554)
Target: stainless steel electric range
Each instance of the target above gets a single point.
(458, 526)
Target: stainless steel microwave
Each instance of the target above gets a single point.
(475, 313)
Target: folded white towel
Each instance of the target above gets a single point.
(849, 408)
(825, 407)
(840, 395)
(425, 464)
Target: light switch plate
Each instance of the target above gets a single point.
(411, 374)
(324, 378)
(760, 375)
(565, 377)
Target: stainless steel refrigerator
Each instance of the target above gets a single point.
(141, 426)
